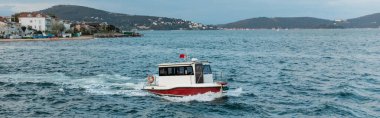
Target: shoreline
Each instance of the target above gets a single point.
(87, 37)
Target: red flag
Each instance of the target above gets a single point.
(182, 56)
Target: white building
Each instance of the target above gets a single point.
(3, 22)
(3, 27)
(36, 21)
(66, 25)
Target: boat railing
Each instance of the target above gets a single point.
(218, 75)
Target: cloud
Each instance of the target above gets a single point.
(19, 7)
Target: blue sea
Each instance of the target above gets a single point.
(286, 73)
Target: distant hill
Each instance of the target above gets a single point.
(368, 21)
(282, 22)
(127, 22)
(123, 21)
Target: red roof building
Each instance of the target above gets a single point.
(35, 20)
(31, 14)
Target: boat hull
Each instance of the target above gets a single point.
(185, 91)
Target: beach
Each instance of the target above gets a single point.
(49, 39)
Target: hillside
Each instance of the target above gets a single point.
(281, 22)
(127, 22)
(123, 21)
(368, 21)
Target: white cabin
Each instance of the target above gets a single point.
(184, 73)
(37, 21)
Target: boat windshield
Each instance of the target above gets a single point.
(207, 69)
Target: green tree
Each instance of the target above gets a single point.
(14, 18)
(57, 28)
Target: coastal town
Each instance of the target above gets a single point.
(40, 26)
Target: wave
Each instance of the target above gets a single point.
(105, 84)
(236, 92)
(209, 96)
(102, 84)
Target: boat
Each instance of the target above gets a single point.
(184, 79)
(132, 34)
(115, 35)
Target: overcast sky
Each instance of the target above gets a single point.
(211, 11)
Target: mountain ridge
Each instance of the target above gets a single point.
(367, 21)
(143, 22)
(124, 21)
(281, 22)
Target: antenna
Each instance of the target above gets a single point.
(187, 55)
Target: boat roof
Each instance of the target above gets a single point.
(183, 63)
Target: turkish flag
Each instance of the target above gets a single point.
(182, 56)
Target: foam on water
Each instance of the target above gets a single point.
(102, 84)
(235, 92)
(106, 84)
(110, 84)
(209, 96)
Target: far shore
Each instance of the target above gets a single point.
(86, 37)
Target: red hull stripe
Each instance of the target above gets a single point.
(186, 91)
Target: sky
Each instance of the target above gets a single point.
(211, 11)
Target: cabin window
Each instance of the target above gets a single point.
(181, 70)
(163, 71)
(173, 71)
(207, 69)
(189, 70)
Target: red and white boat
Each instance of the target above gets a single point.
(184, 79)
